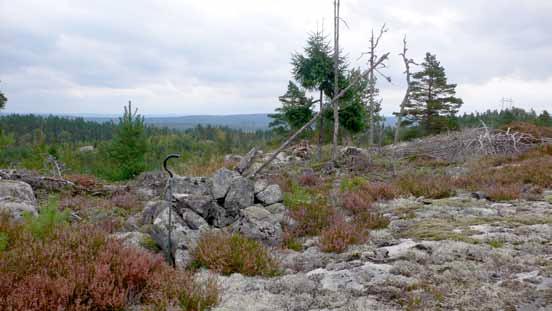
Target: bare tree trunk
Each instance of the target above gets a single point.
(372, 93)
(374, 43)
(407, 63)
(321, 127)
(336, 80)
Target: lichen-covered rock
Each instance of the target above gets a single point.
(240, 195)
(270, 195)
(189, 185)
(259, 224)
(222, 179)
(260, 185)
(17, 198)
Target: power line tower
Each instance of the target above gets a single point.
(506, 101)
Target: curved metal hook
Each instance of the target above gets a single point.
(170, 156)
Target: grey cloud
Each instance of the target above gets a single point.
(181, 55)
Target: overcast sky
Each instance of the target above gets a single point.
(225, 57)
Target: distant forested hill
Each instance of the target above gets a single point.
(249, 122)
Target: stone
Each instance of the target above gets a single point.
(259, 224)
(152, 209)
(199, 203)
(193, 220)
(246, 161)
(17, 198)
(222, 179)
(271, 195)
(240, 195)
(260, 185)
(189, 185)
(86, 149)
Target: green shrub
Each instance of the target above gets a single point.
(48, 219)
(234, 253)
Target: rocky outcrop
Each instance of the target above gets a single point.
(17, 198)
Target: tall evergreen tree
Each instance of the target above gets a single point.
(433, 102)
(314, 71)
(129, 146)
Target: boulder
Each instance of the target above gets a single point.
(199, 203)
(222, 179)
(189, 185)
(259, 224)
(16, 198)
(271, 195)
(240, 195)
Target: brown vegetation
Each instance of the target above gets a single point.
(82, 269)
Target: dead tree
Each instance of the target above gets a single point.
(353, 82)
(335, 102)
(407, 62)
(374, 43)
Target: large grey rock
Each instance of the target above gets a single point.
(271, 195)
(199, 203)
(16, 198)
(189, 185)
(222, 179)
(259, 224)
(240, 195)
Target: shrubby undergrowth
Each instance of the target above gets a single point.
(48, 264)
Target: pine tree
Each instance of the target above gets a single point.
(129, 146)
(433, 103)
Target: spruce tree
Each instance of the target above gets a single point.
(129, 146)
(433, 103)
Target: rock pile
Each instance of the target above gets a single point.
(225, 201)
